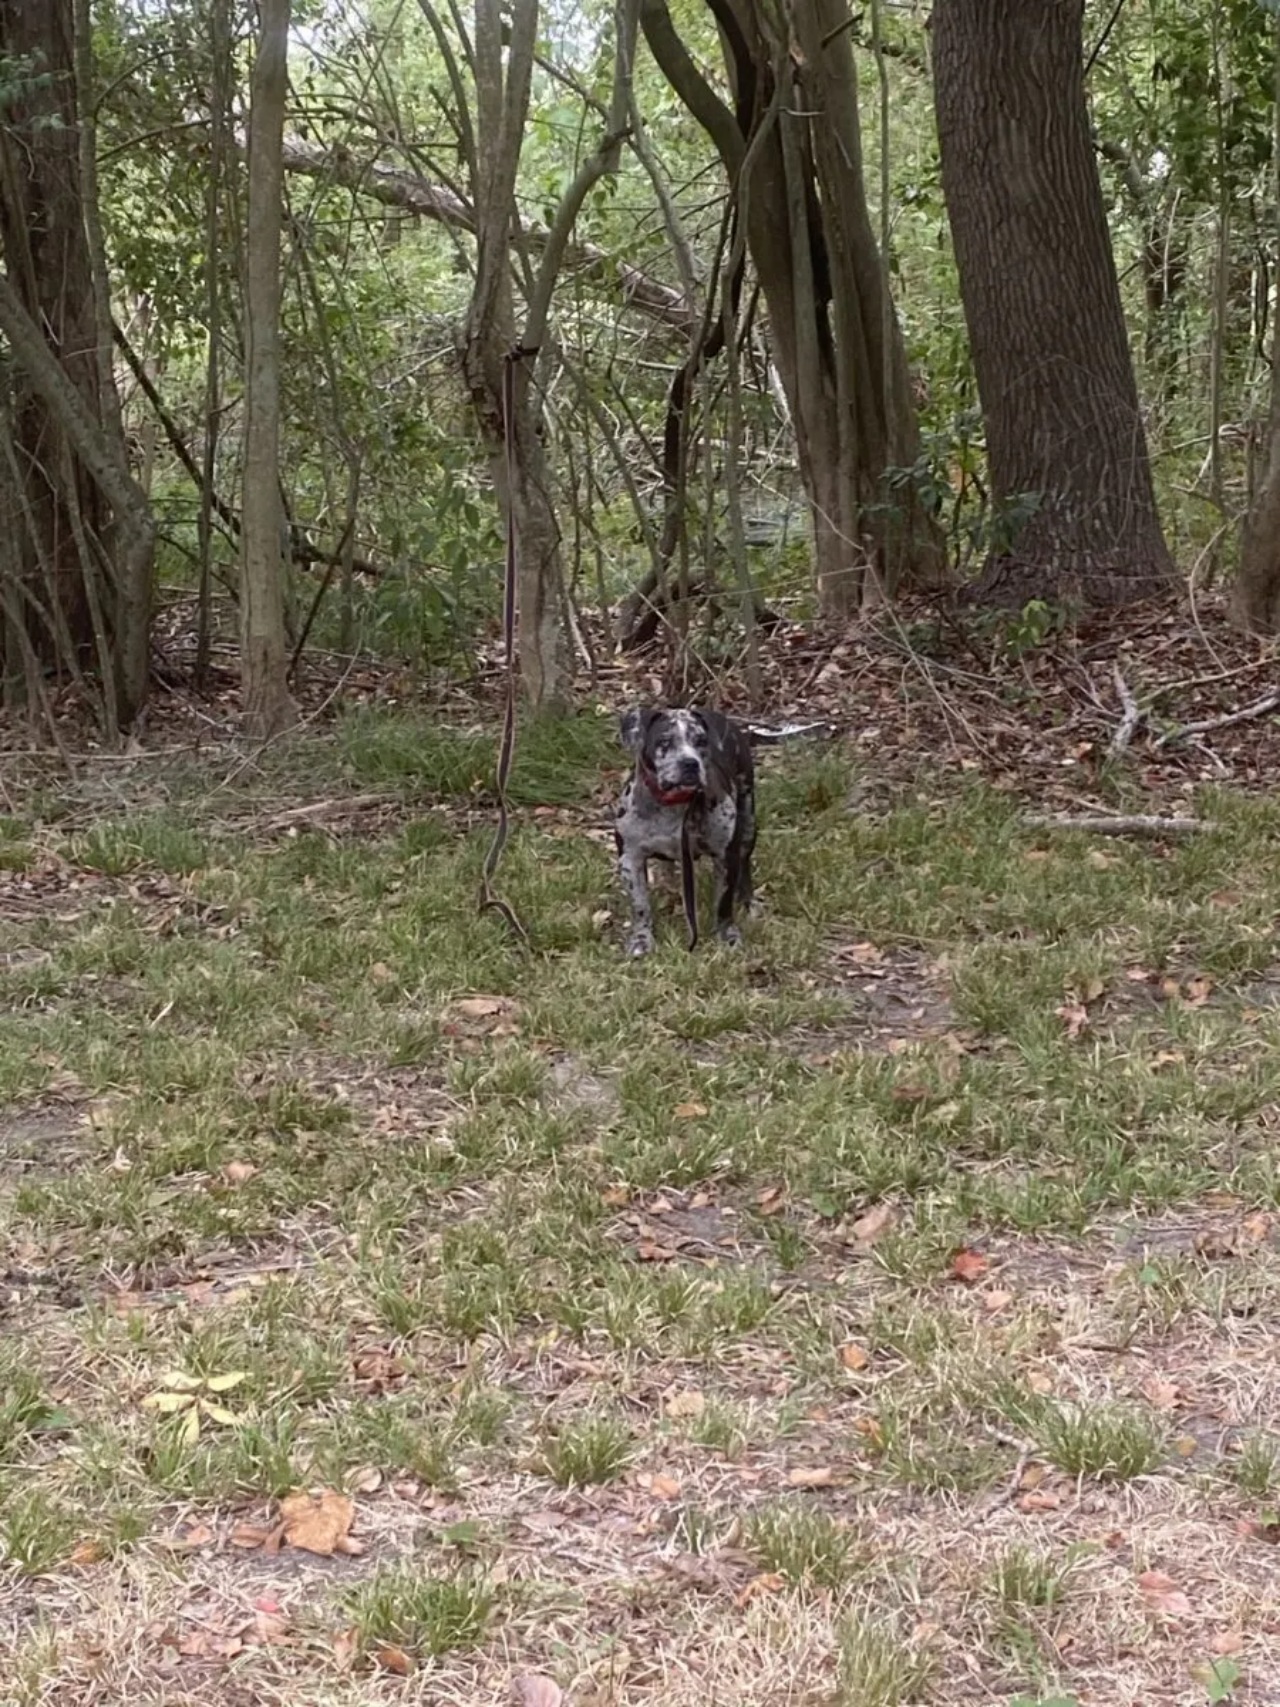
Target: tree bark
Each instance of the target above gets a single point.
(1255, 595)
(266, 706)
(81, 536)
(1042, 302)
(791, 148)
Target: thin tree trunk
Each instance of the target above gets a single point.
(1065, 437)
(1255, 597)
(266, 704)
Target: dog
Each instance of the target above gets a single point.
(692, 792)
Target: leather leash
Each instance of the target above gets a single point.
(687, 889)
(506, 750)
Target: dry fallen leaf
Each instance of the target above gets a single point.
(480, 1007)
(689, 1403)
(1227, 1642)
(969, 1266)
(1198, 991)
(689, 1110)
(535, 1689)
(393, 1659)
(868, 1228)
(815, 1476)
(853, 1356)
(768, 1582)
(664, 1487)
(1039, 1499)
(1163, 1394)
(1075, 1016)
(345, 1644)
(1163, 1595)
(993, 1301)
(88, 1553)
(319, 1523)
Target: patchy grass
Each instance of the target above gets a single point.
(889, 1304)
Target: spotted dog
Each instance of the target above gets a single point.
(692, 792)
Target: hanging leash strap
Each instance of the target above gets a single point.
(506, 750)
(687, 888)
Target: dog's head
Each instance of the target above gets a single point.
(673, 750)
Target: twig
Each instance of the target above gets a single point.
(1133, 715)
(1139, 824)
(1259, 708)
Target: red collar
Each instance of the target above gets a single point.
(665, 796)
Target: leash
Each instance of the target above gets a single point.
(687, 889)
(506, 750)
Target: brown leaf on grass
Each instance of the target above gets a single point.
(1163, 1596)
(345, 1646)
(853, 1356)
(689, 1110)
(1227, 1642)
(319, 1523)
(772, 1200)
(664, 1487)
(393, 1659)
(768, 1582)
(1039, 1499)
(969, 1266)
(1075, 1016)
(648, 1250)
(1256, 1228)
(1163, 1394)
(535, 1689)
(686, 1403)
(249, 1535)
(811, 1476)
(1198, 991)
(616, 1196)
(88, 1552)
(993, 1301)
(480, 1007)
(237, 1173)
(869, 1227)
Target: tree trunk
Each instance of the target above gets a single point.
(792, 150)
(79, 563)
(1255, 596)
(1042, 302)
(266, 706)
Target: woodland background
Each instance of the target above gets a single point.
(264, 265)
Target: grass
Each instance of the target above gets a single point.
(559, 1267)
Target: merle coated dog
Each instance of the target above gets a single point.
(692, 792)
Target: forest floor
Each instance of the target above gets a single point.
(886, 1313)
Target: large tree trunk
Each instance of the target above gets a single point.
(1038, 281)
(792, 150)
(79, 537)
(266, 705)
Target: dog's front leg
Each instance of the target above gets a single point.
(633, 868)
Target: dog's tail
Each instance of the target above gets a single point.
(771, 735)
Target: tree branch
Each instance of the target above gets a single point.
(395, 187)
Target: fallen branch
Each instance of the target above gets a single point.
(1133, 715)
(1259, 708)
(1138, 824)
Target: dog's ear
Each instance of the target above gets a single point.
(631, 728)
